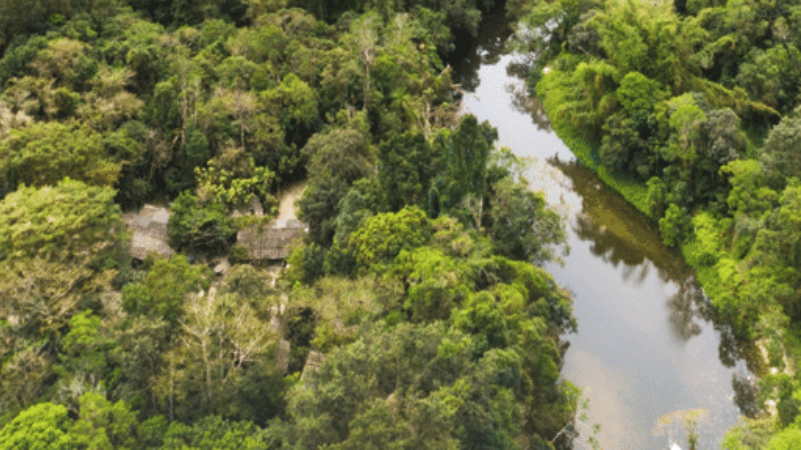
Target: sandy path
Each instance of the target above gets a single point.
(286, 207)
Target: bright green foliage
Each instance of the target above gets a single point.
(685, 120)
(674, 226)
(193, 225)
(305, 264)
(749, 434)
(540, 290)
(483, 318)
(161, 294)
(749, 195)
(46, 152)
(709, 240)
(521, 225)
(58, 244)
(42, 426)
(788, 439)
(765, 74)
(102, 424)
(589, 96)
(382, 237)
(434, 283)
(86, 349)
(638, 93)
(219, 186)
(213, 432)
(66, 219)
(647, 38)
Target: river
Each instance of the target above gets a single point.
(648, 341)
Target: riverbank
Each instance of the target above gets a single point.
(635, 193)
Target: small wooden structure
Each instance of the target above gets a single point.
(149, 229)
(271, 242)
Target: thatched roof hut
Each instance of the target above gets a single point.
(272, 242)
(149, 229)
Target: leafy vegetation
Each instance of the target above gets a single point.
(689, 110)
(415, 279)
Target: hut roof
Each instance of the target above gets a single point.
(149, 229)
(272, 242)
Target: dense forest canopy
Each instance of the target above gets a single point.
(418, 289)
(691, 110)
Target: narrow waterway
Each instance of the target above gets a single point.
(648, 341)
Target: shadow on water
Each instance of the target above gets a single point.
(645, 325)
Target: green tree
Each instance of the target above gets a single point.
(749, 196)
(161, 294)
(424, 375)
(656, 197)
(382, 237)
(780, 153)
(749, 434)
(336, 160)
(58, 245)
(213, 432)
(221, 341)
(435, 284)
(674, 226)
(405, 170)
(462, 158)
(85, 355)
(194, 225)
(102, 424)
(638, 94)
(46, 152)
(43, 426)
(522, 226)
(788, 439)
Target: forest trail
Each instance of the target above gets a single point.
(287, 197)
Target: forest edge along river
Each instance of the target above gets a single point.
(649, 342)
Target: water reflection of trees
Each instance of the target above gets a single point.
(683, 310)
(486, 48)
(626, 236)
